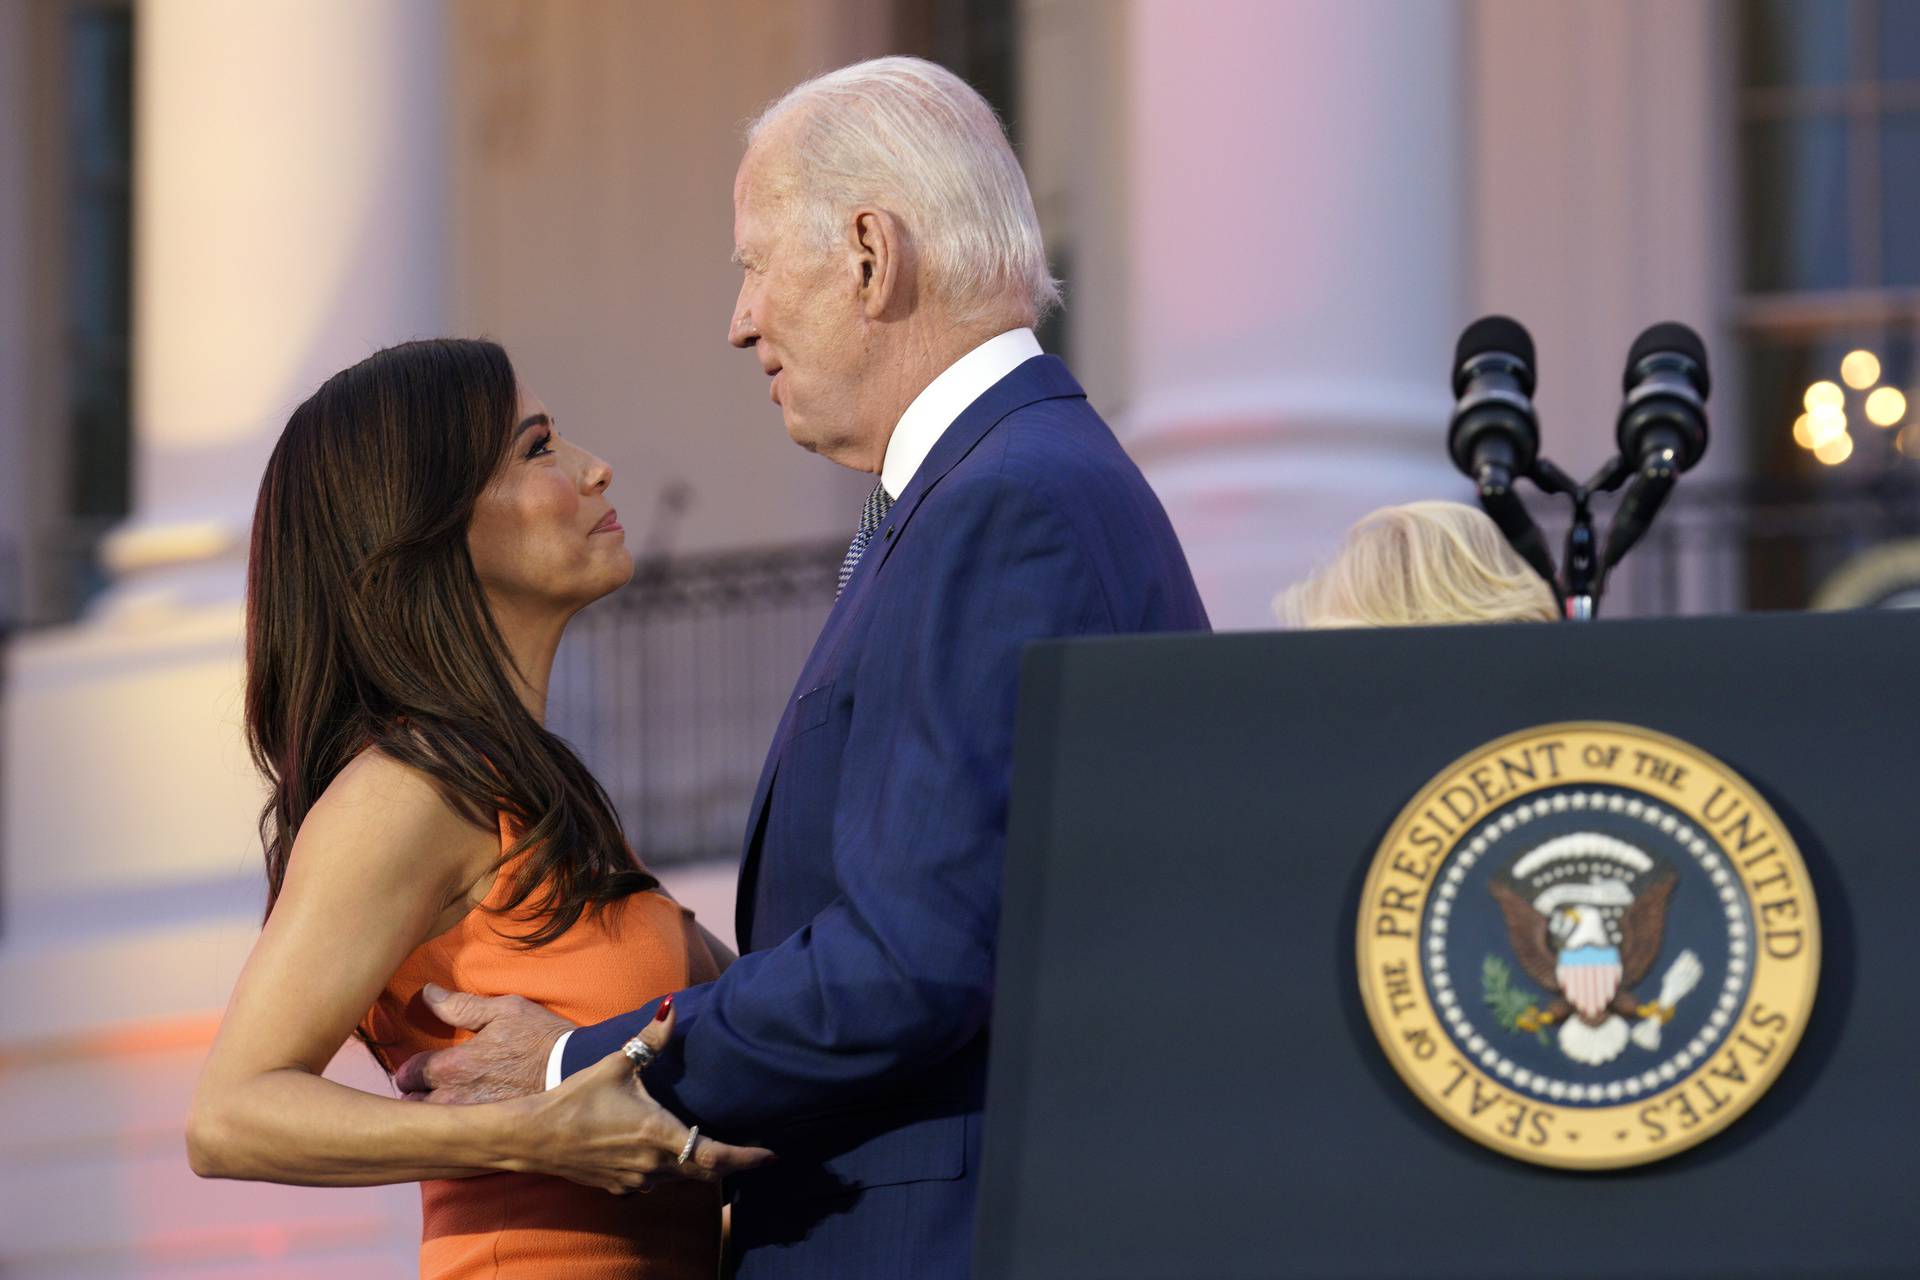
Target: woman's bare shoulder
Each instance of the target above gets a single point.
(379, 808)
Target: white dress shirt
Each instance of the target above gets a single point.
(946, 398)
(919, 429)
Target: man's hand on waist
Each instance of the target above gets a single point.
(507, 1057)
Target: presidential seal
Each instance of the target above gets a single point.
(1588, 945)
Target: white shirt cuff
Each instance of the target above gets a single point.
(553, 1059)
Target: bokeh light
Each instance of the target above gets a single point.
(1824, 424)
(1803, 431)
(1835, 451)
(1824, 395)
(1886, 406)
(1860, 369)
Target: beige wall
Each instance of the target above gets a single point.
(1603, 202)
(1073, 94)
(1602, 196)
(593, 173)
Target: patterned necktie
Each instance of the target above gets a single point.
(878, 504)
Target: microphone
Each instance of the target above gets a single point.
(1662, 429)
(1494, 436)
(1666, 386)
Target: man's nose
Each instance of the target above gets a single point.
(740, 330)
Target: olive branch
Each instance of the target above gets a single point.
(1510, 1004)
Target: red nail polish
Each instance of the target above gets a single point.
(666, 1007)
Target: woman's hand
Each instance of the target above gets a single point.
(601, 1129)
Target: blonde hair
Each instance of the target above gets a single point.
(1417, 565)
(911, 135)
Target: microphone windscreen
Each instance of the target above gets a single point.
(1672, 336)
(1493, 333)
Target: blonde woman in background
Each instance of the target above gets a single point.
(1420, 564)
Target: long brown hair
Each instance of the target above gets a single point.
(367, 625)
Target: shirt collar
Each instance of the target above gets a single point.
(946, 398)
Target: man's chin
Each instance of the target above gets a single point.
(840, 448)
(801, 436)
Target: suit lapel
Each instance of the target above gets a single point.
(1041, 378)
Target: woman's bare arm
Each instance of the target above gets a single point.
(380, 865)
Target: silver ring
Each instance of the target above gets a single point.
(639, 1053)
(686, 1152)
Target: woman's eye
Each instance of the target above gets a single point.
(540, 446)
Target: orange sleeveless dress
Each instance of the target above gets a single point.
(528, 1225)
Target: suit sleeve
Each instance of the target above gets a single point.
(897, 972)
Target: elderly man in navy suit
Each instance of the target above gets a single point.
(893, 275)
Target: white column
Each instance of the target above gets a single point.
(1295, 189)
(291, 218)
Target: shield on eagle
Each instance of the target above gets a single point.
(1588, 977)
(1585, 913)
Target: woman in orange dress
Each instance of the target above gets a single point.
(422, 537)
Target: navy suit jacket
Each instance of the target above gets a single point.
(851, 1036)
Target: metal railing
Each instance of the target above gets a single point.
(1732, 546)
(670, 689)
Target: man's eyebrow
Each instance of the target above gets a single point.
(537, 420)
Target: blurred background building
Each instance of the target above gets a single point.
(1272, 216)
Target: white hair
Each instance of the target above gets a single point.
(915, 139)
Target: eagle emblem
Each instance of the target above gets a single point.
(1585, 915)
(1563, 951)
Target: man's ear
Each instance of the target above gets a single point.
(880, 256)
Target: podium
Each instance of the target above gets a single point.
(1185, 1079)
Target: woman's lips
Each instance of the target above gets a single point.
(609, 523)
